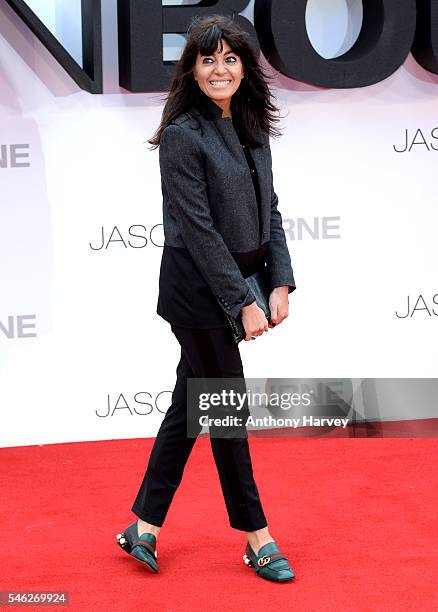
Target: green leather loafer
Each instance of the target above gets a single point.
(142, 548)
(269, 563)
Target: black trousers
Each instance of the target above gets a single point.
(205, 353)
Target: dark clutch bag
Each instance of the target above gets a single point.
(258, 283)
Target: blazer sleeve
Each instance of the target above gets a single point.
(278, 257)
(183, 177)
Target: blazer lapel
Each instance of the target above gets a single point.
(260, 157)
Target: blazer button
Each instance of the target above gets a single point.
(252, 171)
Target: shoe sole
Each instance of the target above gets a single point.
(127, 548)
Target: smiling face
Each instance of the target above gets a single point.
(219, 75)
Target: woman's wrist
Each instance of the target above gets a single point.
(249, 307)
(281, 289)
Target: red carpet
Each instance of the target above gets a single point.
(357, 519)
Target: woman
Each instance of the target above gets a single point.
(221, 224)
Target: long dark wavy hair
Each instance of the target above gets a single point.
(251, 102)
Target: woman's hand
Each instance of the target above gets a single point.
(279, 305)
(254, 321)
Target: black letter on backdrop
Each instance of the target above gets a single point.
(88, 77)
(425, 48)
(142, 24)
(384, 42)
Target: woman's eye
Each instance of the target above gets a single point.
(210, 59)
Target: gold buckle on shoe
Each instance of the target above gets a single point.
(263, 561)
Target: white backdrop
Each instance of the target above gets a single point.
(79, 336)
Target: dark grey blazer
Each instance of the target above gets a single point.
(210, 207)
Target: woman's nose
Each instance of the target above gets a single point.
(220, 69)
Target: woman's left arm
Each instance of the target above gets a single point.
(278, 260)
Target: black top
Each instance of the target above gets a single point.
(182, 285)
